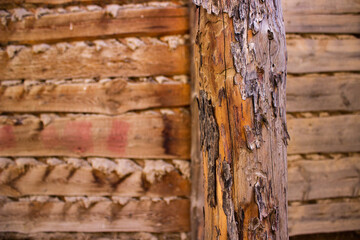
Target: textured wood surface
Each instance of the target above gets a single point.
(62, 2)
(98, 59)
(321, 6)
(321, 179)
(105, 177)
(327, 216)
(113, 97)
(323, 54)
(311, 93)
(90, 24)
(101, 215)
(326, 134)
(143, 135)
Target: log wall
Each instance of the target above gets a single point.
(95, 124)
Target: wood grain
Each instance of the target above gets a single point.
(150, 21)
(69, 180)
(330, 216)
(321, 179)
(114, 97)
(102, 216)
(321, 6)
(323, 55)
(144, 135)
(64, 2)
(81, 60)
(311, 93)
(325, 134)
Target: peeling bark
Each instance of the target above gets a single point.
(239, 55)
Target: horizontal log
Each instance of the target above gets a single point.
(319, 23)
(321, 6)
(329, 216)
(149, 21)
(320, 179)
(325, 134)
(93, 59)
(310, 93)
(64, 2)
(124, 178)
(143, 135)
(114, 97)
(95, 236)
(100, 216)
(325, 54)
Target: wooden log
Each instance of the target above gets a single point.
(114, 97)
(328, 216)
(311, 93)
(321, 179)
(321, 6)
(240, 69)
(94, 216)
(325, 54)
(326, 134)
(150, 21)
(319, 23)
(95, 236)
(98, 59)
(144, 135)
(123, 178)
(65, 2)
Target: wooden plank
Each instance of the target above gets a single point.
(95, 236)
(320, 179)
(143, 135)
(325, 134)
(64, 2)
(325, 54)
(329, 216)
(321, 6)
(97, 59)
(99, 216)
(114, 97)
(323, 93)
(150, 21)
(123, 178)
(319, 23)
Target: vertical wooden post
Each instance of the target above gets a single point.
(239, 72)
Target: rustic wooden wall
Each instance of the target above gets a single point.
(95, 125)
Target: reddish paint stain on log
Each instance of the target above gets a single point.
(7, 138)
(50, 137)
(77, 137)
(117, 140)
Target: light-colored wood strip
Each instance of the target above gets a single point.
(319, 23)
(98, 59)
(309, 180)
(102, 216)
(323, 55)
(143, 135)
(95, 236)
(61, 2)
(329, 216)
(148, 21)
(112, 97)
(323, 93)
(321, 6)
(325, 134)
(127, 179)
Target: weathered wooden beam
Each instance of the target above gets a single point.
(64, 2)
(127, 57)
(94, 215)
(312, 93)
(325, 216)
(321, 6)
(149, 21)
(240, 68)
(112, 97)
(321, 179)
(143, 135)
(105, 177)
(323, 54)
(326, 134)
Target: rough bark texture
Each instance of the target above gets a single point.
(240, 72)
